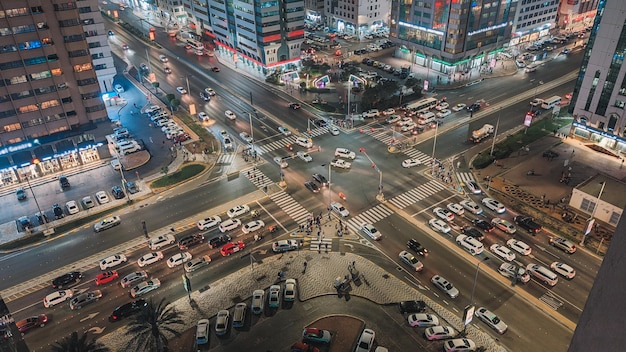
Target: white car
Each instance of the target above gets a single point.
(491, 319)
(405, 121)
(253, 226)
(284, 130)
(304, 142)
(411, 162)
(88, 202)
(163, 58)
(439, 225)
(365, 341)
(237, 211)
(339, 209)
(181, 90)
(159, 242)
(228, 144)
(443, 113)
(471, 207)
(494, 205)
(504, 225)
(563, 270)
(207, 223)
(459, 345)
(371, 113)
(221, 322)
(444, 285)
(519, 246)
(246, 137)
(422, 320)
(439, 333)
(72, 207)
(443, 214)
(149, 258)
(473, 187)
(145, 287)
(392, 119)
(57, 297)
(340, 163)
(112, 261)
(456, 208)
(345, 153)
(371, 231)
(107, 223)
(408, 127)
(304, 156)
(410, 260)
(202, 116)
(514, 272)
(442, 106)
(229, 224)
(281, 162)
(388, 112)
(231, 115)
(178, 259)
(209, 91)
(334, 130)
(502, 252)
(459, 107)
(289, 295)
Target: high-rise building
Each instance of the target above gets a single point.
(450, 36)
(55, 62)
(533, 19)
(600, 90)
(265, 35)
(357, 17)
(576, 15)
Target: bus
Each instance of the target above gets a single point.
(195, 45)
(550, 103)
(423, 105)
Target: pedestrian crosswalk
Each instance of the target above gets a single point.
(370, 216)
(464, 177)
(416, 194)
(282, 143)
(323, 245)
(383, 134)
(226, 159)
(551, 301)
(257, 177)
(291, 207)
(416, 154)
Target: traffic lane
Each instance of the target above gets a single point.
(157, 213)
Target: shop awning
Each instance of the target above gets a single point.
(64, 146)
(44, 152)
(5, 163)
(23, 158)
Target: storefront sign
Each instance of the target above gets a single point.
(15, 148)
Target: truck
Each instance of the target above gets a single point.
(528, 224)
(482, 133)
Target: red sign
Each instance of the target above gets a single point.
(528, 119)
(271, 38)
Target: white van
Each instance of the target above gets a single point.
(124, 144)
(470, 244)
(130, 149)
(542, 274)
(550, 103)
(345, 153)
(304, 142)
(426, 118)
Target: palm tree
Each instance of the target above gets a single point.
(148, 328)
(73, 343)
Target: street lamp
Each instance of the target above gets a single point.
(380, 196)
(432, 173)
(591, 220)
(469, 309)
(495, 133)
(46, 231)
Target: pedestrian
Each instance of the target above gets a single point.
(305, 265)
(354, 264)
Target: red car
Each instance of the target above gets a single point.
(182, 137)
(31, 322)
(106, 277)
(232, 247)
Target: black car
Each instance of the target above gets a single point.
(25, 222)
(527, 223)
(117, 192)
(364, 61)
(321, 123)
(215, 69)
(65, 183)
(483, 225)
(321, 179)
(416, 247)
(312, 187)
(412, 307)
(294, 106)
(58, 211)
(204, 96)
(218, 241)
(127, 310)
(20, 194)
(67, 280)
(473, 107)
(189, 241)
(473, 232)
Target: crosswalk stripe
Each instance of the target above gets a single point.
(551, 301)
(325, 243)
(465, 176)
(289, 205)
(416, 194)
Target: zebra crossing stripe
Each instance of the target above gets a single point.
(289, 205)
(465, 176)
(324, 244)
(416, 194)
(371, 216)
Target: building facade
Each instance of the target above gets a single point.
(358, 17)
(55, 62)
(315, 11)
(600, 90)
(576, 15)
(533, 20)
(451, 36)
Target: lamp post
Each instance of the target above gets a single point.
(32, 191)
(469, 309)
(330, 200)
(380, 196)
(495, 132)
(432, 173)
(591, 220)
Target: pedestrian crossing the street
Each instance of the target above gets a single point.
(257, 177)
(291, 207)
(370, 216)
(226, 159)
(282, 143)
(416, 194)
(465, 177)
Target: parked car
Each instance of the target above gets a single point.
(365, 341)
(316, 335)
(422, 320)
(412, 307)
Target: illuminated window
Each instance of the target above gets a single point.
(12, 127)
(83, 67)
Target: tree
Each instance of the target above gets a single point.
(149, 327)
(169, 97)
(165, 170)
(73, 343)
(174, 103)
(156, 86)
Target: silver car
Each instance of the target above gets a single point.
(77, 302)
(445, 286)
(410, 260)
(221, 322)
(133, 277)
(491, 319)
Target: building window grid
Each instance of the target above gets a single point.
(612, 74)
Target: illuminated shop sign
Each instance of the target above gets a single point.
(15, 148)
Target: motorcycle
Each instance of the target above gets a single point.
(531, 172)
(258, 237)
(254, 213)
(342, 196)
(272, 228)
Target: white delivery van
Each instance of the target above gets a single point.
(550, 103)
(426, 118)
